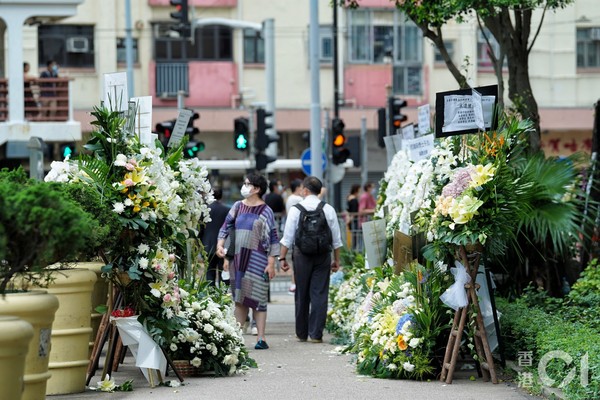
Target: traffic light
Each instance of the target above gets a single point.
(191, 129)
(396, 117)
(192, 148)
(241, 134)
(164, 130)
(181, 16)
(339, 153)
(262, 160)
(381, 126)
(262, 139)
(68, 150)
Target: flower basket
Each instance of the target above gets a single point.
(186, 369)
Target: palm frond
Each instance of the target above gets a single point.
(97, 170)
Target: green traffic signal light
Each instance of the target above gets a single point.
(241, 142)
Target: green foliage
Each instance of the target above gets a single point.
(588, 283)
(529, 328)
(105, 234)
(40, 226)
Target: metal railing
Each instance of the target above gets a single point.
(45, 99)
(171, 78)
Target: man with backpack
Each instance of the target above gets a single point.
(313, 229)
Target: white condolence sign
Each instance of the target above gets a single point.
(114, 91)
(418, 148)
(424, 119)
(180, 126)
(466, 111)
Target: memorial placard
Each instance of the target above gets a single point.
(460, 111)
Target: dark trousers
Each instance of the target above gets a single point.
(312, 289)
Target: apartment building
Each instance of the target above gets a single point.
(222, 68)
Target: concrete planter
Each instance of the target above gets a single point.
(71, 331)
(37, 308)
(15, 335)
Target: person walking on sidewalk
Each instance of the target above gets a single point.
(312, 258)
(292, 200)
(256, 249)
(209, 234)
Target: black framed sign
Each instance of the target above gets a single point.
(458, 112)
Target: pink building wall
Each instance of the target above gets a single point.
(211, 84)
(366, 85)
(198, 3)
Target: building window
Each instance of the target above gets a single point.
(483, 49)
(437, 57)
(254, 47)
(214, 43)
(211, 43)
(386, 36)
(588, 47)
(326, 44)
(122, 51)
(71, 46)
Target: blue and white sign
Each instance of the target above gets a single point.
(305, 161)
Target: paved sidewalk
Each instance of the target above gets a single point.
(292, 370)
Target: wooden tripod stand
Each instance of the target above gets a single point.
(471, 262)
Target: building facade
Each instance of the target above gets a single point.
(380, 53)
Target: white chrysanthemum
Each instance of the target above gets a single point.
(118, 207)
(173, 347)
(120, 160)
(196, 362)
(143, 263)
(408, 367)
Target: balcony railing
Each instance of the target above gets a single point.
(171, 78)
(45, 99)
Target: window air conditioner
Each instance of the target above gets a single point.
(78, 45)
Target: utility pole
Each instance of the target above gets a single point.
(129, 49)
(337, 188)
(316, 147)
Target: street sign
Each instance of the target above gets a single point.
(305, 161)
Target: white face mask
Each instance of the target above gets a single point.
(280, 188)
(245, 191)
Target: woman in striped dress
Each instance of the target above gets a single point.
(256, 250)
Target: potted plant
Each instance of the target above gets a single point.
(40, 226)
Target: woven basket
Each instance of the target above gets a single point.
(186, 369)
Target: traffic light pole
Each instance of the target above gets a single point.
(316, 147)
(337, 188)
(269, 37)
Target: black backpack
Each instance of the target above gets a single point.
(313, 236)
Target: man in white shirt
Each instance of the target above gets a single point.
(311, 272)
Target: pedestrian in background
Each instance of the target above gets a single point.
(367, 202)
(256, 250)
(293, 199)
(210, 233)
(48, 89)
(352, 209)
(311, 271)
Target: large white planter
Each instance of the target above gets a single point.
(15, 335)
(71, 330)
(37, 308)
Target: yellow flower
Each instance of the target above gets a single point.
(443, 204)
(464, 210)
(136, 209)
(401, 343)
(481, 174)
